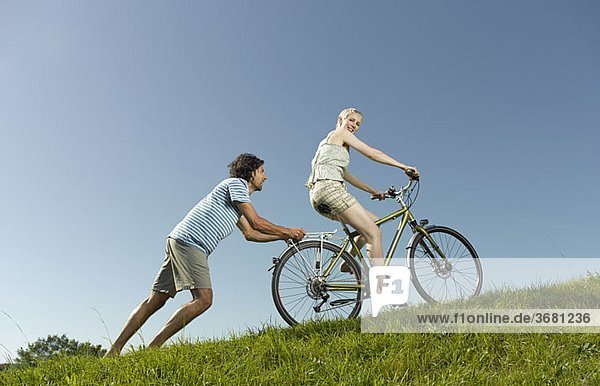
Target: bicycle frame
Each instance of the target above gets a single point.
(407, 218)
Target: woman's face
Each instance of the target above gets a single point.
(351, 123)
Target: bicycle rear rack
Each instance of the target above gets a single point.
(320, 235)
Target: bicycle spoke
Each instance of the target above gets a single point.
(302, 266)
(298, 278)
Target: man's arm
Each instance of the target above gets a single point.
(262, 229)
(252, 235)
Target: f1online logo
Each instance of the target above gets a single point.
(389, 285)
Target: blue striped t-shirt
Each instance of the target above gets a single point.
(214, 217)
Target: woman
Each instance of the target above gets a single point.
(329, 196)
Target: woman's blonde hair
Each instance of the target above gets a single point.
(345, 112)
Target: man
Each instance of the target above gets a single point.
(191, 242)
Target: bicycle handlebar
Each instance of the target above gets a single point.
(393, 193)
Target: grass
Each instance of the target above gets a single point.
(338, 353)
(576, 294)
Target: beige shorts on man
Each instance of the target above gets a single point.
(185, 267)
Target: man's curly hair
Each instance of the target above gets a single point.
(244, 165)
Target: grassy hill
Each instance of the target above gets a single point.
(338, 353)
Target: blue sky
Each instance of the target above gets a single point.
(116, 118)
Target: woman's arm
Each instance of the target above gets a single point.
(370, 152)
(352, 180)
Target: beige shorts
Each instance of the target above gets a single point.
(330, 198)
(184, 267)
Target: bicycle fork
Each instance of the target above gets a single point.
(440, 265)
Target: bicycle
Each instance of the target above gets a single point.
(309, 283)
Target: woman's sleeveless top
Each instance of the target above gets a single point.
(330, 163)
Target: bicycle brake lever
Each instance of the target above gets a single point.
(391, 192)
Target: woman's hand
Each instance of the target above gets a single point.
(378, 196)
(411, 172)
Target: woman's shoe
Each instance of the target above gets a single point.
(346, 267)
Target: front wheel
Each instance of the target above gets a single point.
(444, 266)
(301, 292)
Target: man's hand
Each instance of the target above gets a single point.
(296, 234)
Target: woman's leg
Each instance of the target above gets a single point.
(364, 222)
(359, 240)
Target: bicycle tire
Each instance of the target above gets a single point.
(294, 284)
(438, 283)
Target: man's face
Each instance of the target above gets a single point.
(258, 178)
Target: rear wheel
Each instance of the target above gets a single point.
(457, 275)
(301, 294)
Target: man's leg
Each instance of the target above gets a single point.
(201, 301)
(138, 317)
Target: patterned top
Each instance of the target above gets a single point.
(330, 163)
(214, 217)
